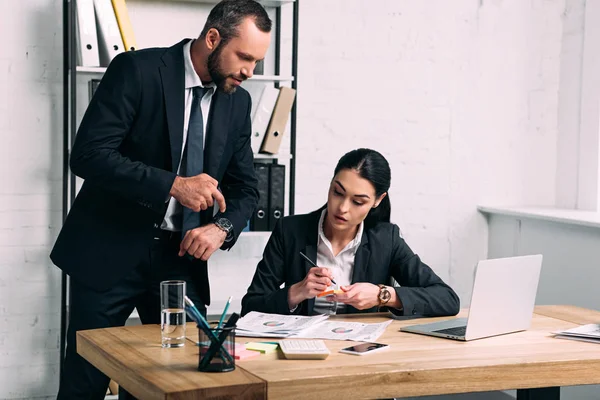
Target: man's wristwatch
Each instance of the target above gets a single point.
(225, 225)
(384, 295)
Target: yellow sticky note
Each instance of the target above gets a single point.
(262, 347)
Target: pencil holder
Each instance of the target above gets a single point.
(217, 357)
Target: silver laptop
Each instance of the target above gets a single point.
(502, 301)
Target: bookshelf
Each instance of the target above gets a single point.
(176, 20)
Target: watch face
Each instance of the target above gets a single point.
(225, 224)
(384, 295)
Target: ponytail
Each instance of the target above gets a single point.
(381, 213)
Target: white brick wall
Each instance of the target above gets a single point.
(461, 97)
(30, 196)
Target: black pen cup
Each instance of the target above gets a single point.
(215, 358)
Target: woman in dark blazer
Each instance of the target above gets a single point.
(357, 251)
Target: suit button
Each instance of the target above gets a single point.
(156, 226)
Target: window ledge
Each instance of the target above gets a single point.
(563, 216)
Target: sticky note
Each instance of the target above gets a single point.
(240, 347)
(329, 292)
(262, 347)
(246, 354)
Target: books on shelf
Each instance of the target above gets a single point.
(584, 333)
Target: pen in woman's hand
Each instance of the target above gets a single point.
(314, 265)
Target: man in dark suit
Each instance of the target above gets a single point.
(165, 139)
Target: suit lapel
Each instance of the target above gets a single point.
(361, 260)
(311, 252)
(218, 128)
(361, 265)
(312, 239)
(172, 75)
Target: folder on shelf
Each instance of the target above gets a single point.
(124, 23)
(259, 69)
(279, 119)
(93, 86)
(262, 116)
(255, 90)
(276, 193)
(109, 37)
(85, 31)
(260, 217)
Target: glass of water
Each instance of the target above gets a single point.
(172, 321)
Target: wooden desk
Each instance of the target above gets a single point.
(414, 365)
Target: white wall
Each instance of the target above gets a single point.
(461, 97)
(30, 196)
(569, 106)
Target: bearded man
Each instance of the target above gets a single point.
(164, 151)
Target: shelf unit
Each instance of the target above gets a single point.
(263, 78)
(71, 72)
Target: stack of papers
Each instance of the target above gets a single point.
(584, 333)
(256, 324)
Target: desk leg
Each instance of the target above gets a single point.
(549, 393)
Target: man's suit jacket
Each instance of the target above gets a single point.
(128, 148)
(382, 254)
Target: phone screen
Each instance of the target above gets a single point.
(365, 347)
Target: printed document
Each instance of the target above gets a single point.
(584, 333)
(256, 324)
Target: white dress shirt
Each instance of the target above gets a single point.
(341, 266)
(172, 221)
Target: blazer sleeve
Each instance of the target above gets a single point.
(422, 292)
(265, 293)
(239, 183)
(107, 121)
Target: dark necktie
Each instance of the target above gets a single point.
(192, 161)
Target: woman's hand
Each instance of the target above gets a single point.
(361, 295)
(316, 281)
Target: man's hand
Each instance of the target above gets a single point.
(360, 295)
(202, 242)
(197, 192)
(316, 281)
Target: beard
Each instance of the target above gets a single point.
(216, 71)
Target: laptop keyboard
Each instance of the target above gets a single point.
(458, 331)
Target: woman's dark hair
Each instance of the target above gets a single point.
(372, 166)
(227, 16)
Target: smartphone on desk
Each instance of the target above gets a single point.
(364, 348)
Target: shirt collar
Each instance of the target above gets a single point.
(191, 77)
(352, 245)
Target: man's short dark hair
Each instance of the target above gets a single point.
(227, 16)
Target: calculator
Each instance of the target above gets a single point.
(304, 349)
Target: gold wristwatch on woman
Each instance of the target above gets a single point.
(384, 295)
